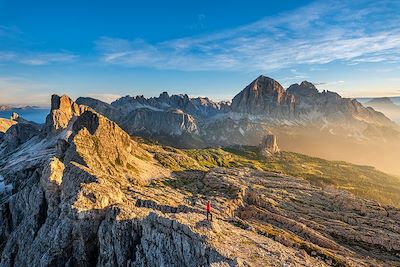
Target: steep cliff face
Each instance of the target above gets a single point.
(101, 107)
(5, 124)
(264, 96)
(63, 109)
(303, 103)
(139, 116)
(172, 122)
(19, 134)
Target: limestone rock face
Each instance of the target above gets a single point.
(63, 109)
(5, 124)
(19, 133)
(264, 96)
(149, 117)
(332, 107)
(304, 89)
(268, 145)
(101, 107)
(173, 122)
(200, 107)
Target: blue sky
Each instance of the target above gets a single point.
(106, 49)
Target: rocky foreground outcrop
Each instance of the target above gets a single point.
(17, 131)
(86, 194)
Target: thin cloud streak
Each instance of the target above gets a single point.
(47, 58)
(309, 35)
(37, 59)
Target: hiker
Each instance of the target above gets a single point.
(208, 208)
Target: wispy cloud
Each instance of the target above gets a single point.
(37, 58)
(329, 83)
(6, 56)
(318, 33)
(47, 58)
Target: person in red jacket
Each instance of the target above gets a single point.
(208, 208)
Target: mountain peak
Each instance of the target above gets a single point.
(61, 102)
(263, 77)
(164, 95)
(265, 84)
(307, 84)
(63, 109)
(261, 96)
(305, 88)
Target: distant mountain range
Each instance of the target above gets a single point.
(386, 105)
(9, 107)
(394, 99)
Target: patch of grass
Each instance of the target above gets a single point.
(211, 158)
(176, 160)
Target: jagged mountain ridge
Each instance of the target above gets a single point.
(87, 194)
(301, 116)
(146, 120)
(263, 100)
(199, 107)
(9, 107)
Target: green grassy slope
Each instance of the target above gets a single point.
(363, 181)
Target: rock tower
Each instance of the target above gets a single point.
(269, 145)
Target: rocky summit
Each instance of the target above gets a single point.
(264, 96)
(81, 191)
